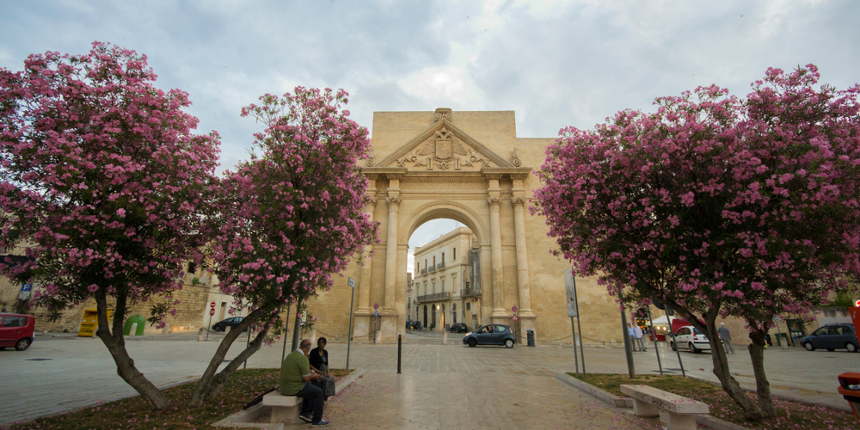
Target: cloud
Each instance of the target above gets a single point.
(555, 63)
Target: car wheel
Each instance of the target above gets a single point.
(473, 343)
(22, 344)
(218, 328)
(693, 348)
(809, 346)
(672, 344)
(831, 349)
(509, 343)
(851, 347)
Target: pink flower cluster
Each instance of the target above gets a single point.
(293, 215)
(101, 176)
(746, 206)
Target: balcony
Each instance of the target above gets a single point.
(440, 266)
(469, 292)
(432, 269)
(423, 271)
(434, 297)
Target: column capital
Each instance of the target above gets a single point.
(371, 202)
(494, 202)
(519, 202)
(393, 201)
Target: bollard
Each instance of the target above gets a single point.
(399, 345)
(166, 329)
(200, 334)
(133, 330)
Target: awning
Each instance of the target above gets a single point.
(662, 320)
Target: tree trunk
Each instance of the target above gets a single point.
(115, 343)
(210, 383)
(756, 350)
(730, 385)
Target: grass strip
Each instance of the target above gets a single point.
(134, 413)
(789, 415)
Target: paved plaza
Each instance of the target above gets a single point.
(442, 386)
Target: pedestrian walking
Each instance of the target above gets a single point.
(637, 334)
(632, 335)
(726, 338)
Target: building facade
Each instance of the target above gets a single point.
(443, 281)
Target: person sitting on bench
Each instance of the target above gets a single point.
(295, 377)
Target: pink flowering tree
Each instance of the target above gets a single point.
(290, 217)
(104, 183)
(716, 206)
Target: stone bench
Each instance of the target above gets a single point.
(678, 412)
(285, 409)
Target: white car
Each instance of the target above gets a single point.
(690, 338)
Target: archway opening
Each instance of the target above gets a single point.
(443, 267)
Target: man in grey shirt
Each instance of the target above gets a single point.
(726, 337)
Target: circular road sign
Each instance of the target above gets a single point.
(211, 312)
(514, 308)
(777, 319)
(375, 306)
(212, 305)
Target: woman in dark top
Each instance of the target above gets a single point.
(318, 359)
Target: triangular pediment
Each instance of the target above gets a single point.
(444, 147)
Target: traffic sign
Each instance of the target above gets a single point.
(212, 305)
(26, 287)
(375, 306)
(515, 318)
(857, 304)
(777, 319)
(376, 314)
(514, 308)
(351, 283)
(211, 312)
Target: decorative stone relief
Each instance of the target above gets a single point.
(444, 113)
(494, 202)
(443, 151)
(369, 159)
(475, 157)
(515, 158)
(519, 202)
(393, 201)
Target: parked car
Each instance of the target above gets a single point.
(491, 334)
(229, 322)
(16, 330)
(459, 328)
(413, 325)
(831, 337)
(691, 339)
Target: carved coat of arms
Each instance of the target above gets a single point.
(443, 145)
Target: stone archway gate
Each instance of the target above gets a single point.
(444, 164)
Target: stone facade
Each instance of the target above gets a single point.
(442, 279)
(470, 167)
(192, 312)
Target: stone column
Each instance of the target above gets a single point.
(522, 257)
(363, 315)
(494, 200)
(366, 269)
(391, 254)
(393, 200)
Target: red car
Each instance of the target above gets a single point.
(16, 330)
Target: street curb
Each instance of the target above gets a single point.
(623, 402)
(841, 408)
(619, 402)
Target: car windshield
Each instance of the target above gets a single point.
(695, 330)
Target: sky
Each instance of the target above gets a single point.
(555, 63)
